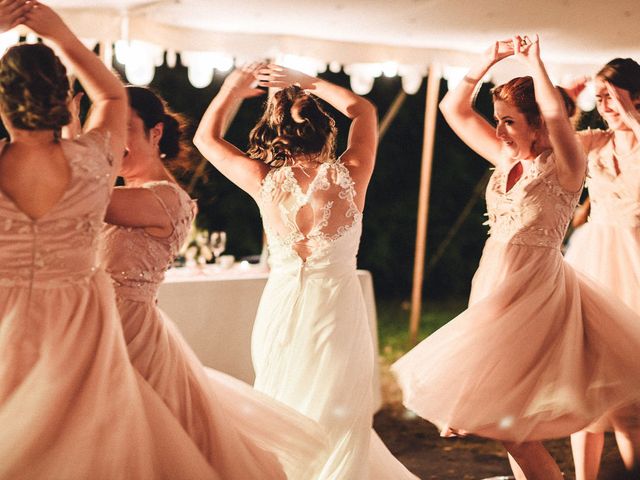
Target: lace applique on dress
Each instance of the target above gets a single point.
(537, 209)
(328, 206)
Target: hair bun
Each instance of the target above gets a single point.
(34, 88)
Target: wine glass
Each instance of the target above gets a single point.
(201, 244)
(217, 243)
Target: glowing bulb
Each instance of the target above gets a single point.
(390, 69)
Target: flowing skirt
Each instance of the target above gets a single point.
(540, 353)
(610, 255)
(312, 350)
(242, 433)
(71, 405)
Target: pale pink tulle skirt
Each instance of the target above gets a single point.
(540, 353)
(243, 433)
(610, 255)
(71, 405)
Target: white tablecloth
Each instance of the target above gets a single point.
(215, 314)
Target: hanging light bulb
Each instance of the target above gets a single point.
(172, 58)
(141, 60)
(390, 69)
(200, 75)
(453, 75)
(411, 76)
(7, 39)
(308, 65)
(586, 101)
(335, 67)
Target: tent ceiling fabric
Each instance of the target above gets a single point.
(577, 35)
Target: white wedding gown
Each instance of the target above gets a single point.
(311, 341)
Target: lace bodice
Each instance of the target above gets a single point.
(60, 246)
(537, 209)
(613, 181)
(327, 207)
(136, 260)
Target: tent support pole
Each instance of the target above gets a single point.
(391, 114)
(430, 117)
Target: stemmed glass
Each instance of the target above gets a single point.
(201, 245)
(217, 243)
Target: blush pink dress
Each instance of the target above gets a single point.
(607, 247)
(244, 434)
(542, 351)
(71, 405)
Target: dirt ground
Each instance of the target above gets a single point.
(417, 444)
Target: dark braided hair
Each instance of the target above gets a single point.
(292, 125)
(34, 88)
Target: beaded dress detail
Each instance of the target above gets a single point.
(71, 405)
(242, 433)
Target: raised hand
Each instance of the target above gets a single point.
(242, 82)
(13, 13)
(46, 23)
(575, 88)
(526, 49)
(276, 76)
(499, 50)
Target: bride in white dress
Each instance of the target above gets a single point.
(311, 343)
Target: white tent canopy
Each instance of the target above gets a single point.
(405, 36)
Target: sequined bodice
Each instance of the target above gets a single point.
(136, 260)
(60, 247)
(537, 209)
(613, 182)
(329, 200)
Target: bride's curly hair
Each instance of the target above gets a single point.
(34, 88)
(293, 124)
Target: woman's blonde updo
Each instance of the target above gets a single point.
(34, 88)
(293, 125)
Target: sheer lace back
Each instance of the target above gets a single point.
(304, 215)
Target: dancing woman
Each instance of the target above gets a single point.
(311, 343)
(71, 404)
(242, 433)
(541, 352)
(607, 248)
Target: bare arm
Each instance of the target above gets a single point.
(569, 154)
(209, 137)
(581, 215)
(362, 144)
(138, 208)
(457, 106)
(13, 13)
(104, 89)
